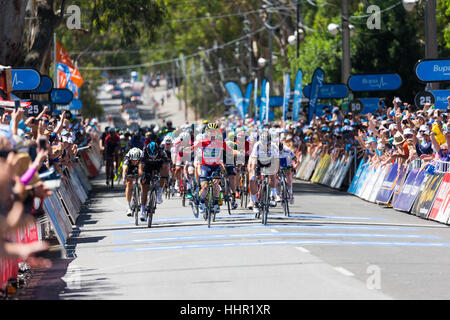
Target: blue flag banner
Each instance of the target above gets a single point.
(440, 98)
(248, 94)
(329, 91)
(266, 108)
(236, 95)
(370, 105)
(46, 85)
(316, 85)
(297, 95)
(262, 103)
(433, 70)
(287, 90)
(375, 82)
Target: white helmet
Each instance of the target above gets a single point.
(135, 154)
(167, 139)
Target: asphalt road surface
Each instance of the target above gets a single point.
(334, 246)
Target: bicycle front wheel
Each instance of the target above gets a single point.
(151, 207)
(136, 202)
(210, 208)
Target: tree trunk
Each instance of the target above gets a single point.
(11, 31)
(47, 21)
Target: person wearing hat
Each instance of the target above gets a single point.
(402, 149)
(423, 143)
(441, 149)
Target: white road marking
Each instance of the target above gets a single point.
(304, 250)
(344, 271)
(273, 230)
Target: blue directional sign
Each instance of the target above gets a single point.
(433, 70)
(46, 85)
(25, 79)
(440, 98)
(274, 101)
(329, 91)
(375, 82)
(61, 96)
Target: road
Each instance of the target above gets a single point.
(334, 246)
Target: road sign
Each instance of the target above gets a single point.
(375, 82)
(75, 104)
(61, 96)
(436, 70)
(356, 106)
(25, 79)
(329, 91)
(46, 85)
(422, 98)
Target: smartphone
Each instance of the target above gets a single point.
(2, 111)
(42, 143)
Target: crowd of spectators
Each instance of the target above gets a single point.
(30, 148)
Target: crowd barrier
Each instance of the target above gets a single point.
(325, 170)
(416, 189)
(421, 190)
(62, 208)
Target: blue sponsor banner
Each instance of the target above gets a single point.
(375, 82)
(433, 70)
(75, 104)
(370, 105)
(387, 188)
(440, 98)
(267, 107)
(236, 95)
(287, 90)
(248, 95)
(297, 95)
(362, 178)
(408, 193)
(329, 91)
(46, 85)
(320, 107)
(61, 96)
(352, 187)
(316, 85)
(262, 101)
(25, 79)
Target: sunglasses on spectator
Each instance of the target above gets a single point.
(5, 153)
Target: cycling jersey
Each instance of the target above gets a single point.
(211, 151)
(132, 169)
(287, 157)
(153, 163)
(111, 143)
(264, 155)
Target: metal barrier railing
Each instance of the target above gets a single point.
(442, 166)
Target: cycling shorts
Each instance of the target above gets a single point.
(208, 171)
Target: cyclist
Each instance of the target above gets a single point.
(230, 166)
(287, 159)
(265, 155)
(211, 148)
(181, 154)
(112, 147)
(153, 158)
(130, 167)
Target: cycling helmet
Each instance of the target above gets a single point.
(167, 139)
(265, 137)
(205, 121)
(152, 149)
(135, 154)
(212, 126)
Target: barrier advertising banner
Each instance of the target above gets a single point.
(425, 198)
(354, 182)
(408, 192)
(387, 188)
(441, 202)
(400, 181)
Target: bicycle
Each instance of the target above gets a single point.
(151, 197)
(210, 213)
(136, 197)
(194, 202)
(263, 196)
(285, 194)
(243, 187)
(226, 192)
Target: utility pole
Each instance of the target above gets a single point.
(299, 4)
(194, 75)
(183, 66)
(346, 66)
(203, 87)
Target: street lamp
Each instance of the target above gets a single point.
(262, 62)
(409, 4)
(243, 80)
(293, 37)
